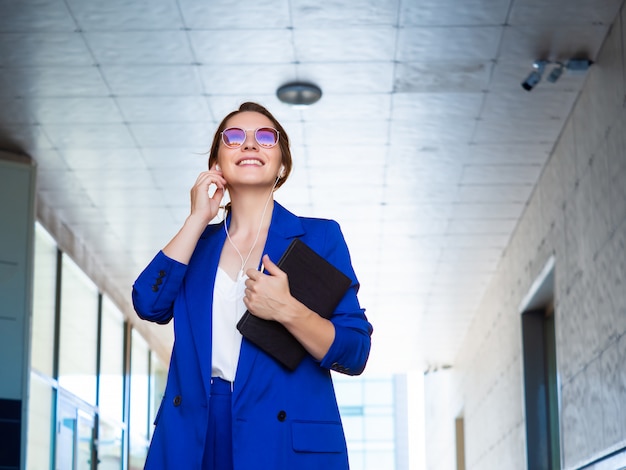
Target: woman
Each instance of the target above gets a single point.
(227, 404)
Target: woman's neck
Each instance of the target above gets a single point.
(249, 211)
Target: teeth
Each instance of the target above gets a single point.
(250, 162)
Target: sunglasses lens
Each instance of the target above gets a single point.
(233, 137)
(266, 136)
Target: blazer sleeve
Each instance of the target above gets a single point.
(156, 288)
(350, 349)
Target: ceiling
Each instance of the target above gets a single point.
(424, 145)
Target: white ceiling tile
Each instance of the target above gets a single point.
(533, 12)
(338, 13)
(114, 180)
(544, 106)
(140, 47)
(457, 76)
(492, 210)
(344, 133)
(182, 179)
(251, 46)
(340, 194)
(58, 180)
(120, 15)
(501, 193)
(80, 214)
(362, 107)
(353, 43)
(77, 110)
(425, 44)
(500, 174)
(246, 80)
(157, 80)
(348, 76)
(107, 136)
(35, 15)
(176, 134)
(435, 130)
(175, 157)
(73, 196)
(517, 130)
(471, 256)
(452, 105)
(408, 212)
(346, 159)
(153, 109)
(52, 82)
(225, 14)
(417, 174)
(407, 194)
(15, 111)
(111, 201)
(90, 158)
(526, 153)
(452, 12)
(40, 49)
(494, 240)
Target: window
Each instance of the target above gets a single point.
(40, 419)
(78, 332)
(369, 416)
(139, 403)
(111, 392)
(44, 302)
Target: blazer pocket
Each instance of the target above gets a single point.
(316, 436)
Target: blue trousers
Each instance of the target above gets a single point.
(218, 450)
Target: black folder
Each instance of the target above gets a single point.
(313, 281)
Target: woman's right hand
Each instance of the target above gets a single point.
(203, 209)
(204, 206)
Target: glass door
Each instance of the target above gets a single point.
(75, 434)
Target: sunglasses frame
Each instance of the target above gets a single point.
(245, 131)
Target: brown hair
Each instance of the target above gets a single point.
(283, 139)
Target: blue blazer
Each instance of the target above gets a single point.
(281, 419)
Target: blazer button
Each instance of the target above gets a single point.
(281, 416)
(177, 400)
(161, 273)
(155, 288)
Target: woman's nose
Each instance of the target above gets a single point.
(250, 142)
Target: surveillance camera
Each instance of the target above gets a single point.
(556, 73)
(533, 78)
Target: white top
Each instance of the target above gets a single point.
(228, 307)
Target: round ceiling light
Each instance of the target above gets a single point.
(299, 93)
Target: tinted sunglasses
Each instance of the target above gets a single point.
(234, 137)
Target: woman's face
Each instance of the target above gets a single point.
(251, 163)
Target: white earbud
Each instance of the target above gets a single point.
(217, 167)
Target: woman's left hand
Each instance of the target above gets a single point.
(266, 296)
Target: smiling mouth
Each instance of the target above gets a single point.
(250, 161)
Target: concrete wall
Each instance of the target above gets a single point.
(577, 214)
